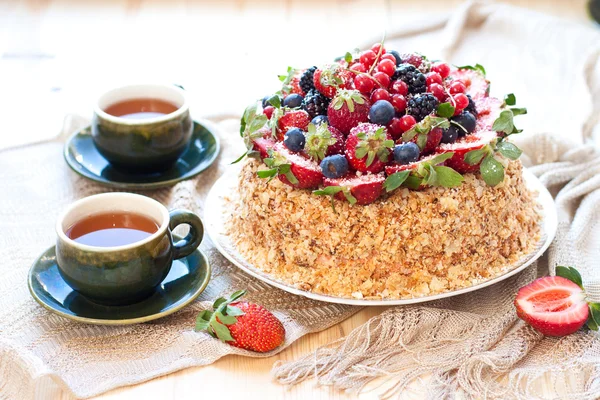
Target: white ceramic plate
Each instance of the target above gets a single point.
(214, 221)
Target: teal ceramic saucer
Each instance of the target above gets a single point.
(186, 280)
(83, 157)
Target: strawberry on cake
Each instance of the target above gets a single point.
(383, 175)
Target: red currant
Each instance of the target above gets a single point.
(438, 91)
(399, 87)
(461, 100)
(388, 67)
(433, 77)
(388, 56)
(380, 94)
(375, 48)
(407, 122)
(268, 111)
(399, 103)
(395, 128)
(441, 68)
(383, 79)
(358, 67)
(457, 87)
(364, 83)
(367, 58)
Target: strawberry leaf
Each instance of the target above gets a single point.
(594, 319)
(221, 331)
(491, 170)
(218, 302)
(234, 311)
(518, 111)
(509, 150)
(275, 101)
(203, 320)
(413, 182)
(226, 319)
(370, 158)
(571, 274)
(329, 191)
(440, 158)
(475, 156)
(236, 295)
(395, 180)
(240, 158)
(267, 173)
(447, 177)
(361, 152)
(445, 110)
(351, 199)
(510, 99)
(422, 140)
(477, 67)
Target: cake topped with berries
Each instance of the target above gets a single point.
(383, 175)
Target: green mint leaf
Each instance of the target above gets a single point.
(221, 331)
(267, 173)
(226, 319)
(510, 99)
(504, 123)
(440, 158)
(445, 110)
(447, 177)
(594, 319)
(234, 311)
(203, 320)
(348, 57)
(275, 101)
(328, 191)
(509, 150)
(475, 156)
(518, 111)
(395, 180)
(240, 158)
(491, 170)
(571, 274)
(413, 182)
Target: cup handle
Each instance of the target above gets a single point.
(189, 243)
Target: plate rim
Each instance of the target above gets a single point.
(76, 167)
(549, 216)
(114, 322)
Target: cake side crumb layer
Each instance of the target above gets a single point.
(408, 244)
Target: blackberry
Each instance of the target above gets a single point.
(471, 107)
(421, 105)
(306, 80)
(414, 79)
(315, 103)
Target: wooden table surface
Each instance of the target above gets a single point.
(56, 56)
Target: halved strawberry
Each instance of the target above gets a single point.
(323, 140)
(488, 109)
(368, 147)
(477, 84)
(307, 172)
(364, 188)
(422, 172)
(330, 78)
(464, 145)
(553, 305)
(292, 119)
(263, 145)
(348, 109)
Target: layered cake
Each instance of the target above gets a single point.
(382, 176)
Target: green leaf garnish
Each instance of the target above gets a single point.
(440, 158)
(275, 101)
(445, 110)
(518, 111)
(278, 165)
(510, 99)
(267, 173)
(504, 123)
(508, 150)
(571, 274)
(477, 67)
(475, 156)
(332, 191)
(395, 180)
(413, 182)
(215, 321)
(446, 177)
(594, 318)
(348, 57)
(491, 170)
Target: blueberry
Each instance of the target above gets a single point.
(335, 166)
(406, 153)
(467, 121)
(396, 56)
(319, 119)
(451, 134)
(293, 100)
(294, 139)
(382, 112)
(265, 101)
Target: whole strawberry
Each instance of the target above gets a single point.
(348, 109)
(241, 324)
(368, 148)
(331, 78)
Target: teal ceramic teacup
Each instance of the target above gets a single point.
(142, 144)
(128, 273)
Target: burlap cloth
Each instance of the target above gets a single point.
(466, 342)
